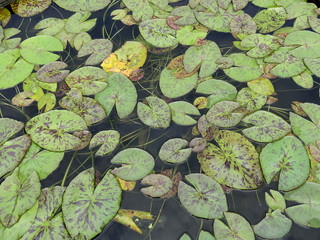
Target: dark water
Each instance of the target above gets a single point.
(172, 219)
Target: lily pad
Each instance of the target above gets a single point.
(136, 164)
(50, 26)
(98, 50)
(313, 65)
(267, 127)
(304, 79)
(77, 22)
(262, 86)
(276, 201)
(87, 209)
(27, 8)
(188, 35)
(271, 19)
(239, 228)
(48, 100)
(234, 163)
(185, 237)
(141, 10)
(206, 129)
(242, 25)
(52, 72)
(156, 113)
(5, 16)
(50, 130)
(120, 92)
(314, 23)
(251, 100)
(205, 198)
(174, 151)
(204, 235)
(299, 8)
(108, 140)
(82, 5)
(180, 111)
(160, 185)
(185, 16)
(288, 157)
(81, 39)
(8, 128)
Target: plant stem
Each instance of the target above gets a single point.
(66, 173)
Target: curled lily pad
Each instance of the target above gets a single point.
(160, 185)
(98, 50)
(120, 93)
(50, 26)
(175, 151)
(234, 163)
(267, 127)
(205, 198)
(107, 139)
(17, 197)
(136, 164)
(288, 156)
(87, 209)
(262, 86)
(89, 80)
(276, 201)
(275, 225)
(82, 5)
(156, 113)
(251, 100)
(27, 8)
(271, 19)
(242, 25)
(50, 130)
(239, 228)
(23, 99)
(180, 112)
(52, 72)
(201, 102)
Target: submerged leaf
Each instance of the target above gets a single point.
(174, 151)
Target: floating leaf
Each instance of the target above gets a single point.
(314, 151)
(50, 26)
(86, 209)
(185, 16)
(201, 102)
(239, 228)
(188, 35)
(52, 72)
(297, 8)
(206, 129)
(180, 111)
(242, 25)
(31, 84)
(48, 100)
(77, 22)
(264, 4)
(185, 237)
(120, 92)
(198, 144)
(98, 48)
(313, 65)
(50, 130)
(23, 99)
(314, 23)
(262, 86)
(204, 235)
(176, 64)
(126, 185)
(225, 62)
(175, 181)
(268, 127)
(261, 45)
(274, 226)
(5, 16)
(276, 201)
(80, 39)
(160, 185)
(234, 163)
(84, 136)
(250, 100)
(141, 10)
(204, 198)
(8, 128)
(156, 113)
(82, 5)
(296, 106)
(270, 19)
(27, 8)
(174, 151)
(108, 140)
(304, 79)
(66, 37)
(136, 162)
(17, 197)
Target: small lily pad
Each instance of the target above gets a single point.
(242, 25)
(81, 39)
(304, 79)
(198, 144)
(188, 35)
(204, 235)
(251, 100)
(108, 140)
(271, 19)
(206, 129)
(48, 100)
(174, 151)
(23, 99)
(5, 16)
(98, 50)
(180, 111)
(160, 185)
(52, 72)
(50, 26)
(276, 201)
(77, 22)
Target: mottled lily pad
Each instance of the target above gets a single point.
(234, 163)
(81, 39)
(23, 99)
(314, 23)
(262, 86)
(9, 127)
(206, 129)
(160, 185)
(242, 25)
(174, 151)
(48, 101)
(251, 100)
(77, 22)
(205, 198)
(136, 164)
(271, 19)
(98, 50)
(50, 26)
(304, 79)
(313, 65)
(87, 209)
(82, 5)
(27, 8)
(5, 16)
(141, 10)
(268, 127)
(52, 72)
(108, 140)
(185, 16)
(180, 111)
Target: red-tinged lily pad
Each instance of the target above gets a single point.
(175, 181)
(87, 209)
(234, 163)
(98, 49)
(50, 26)
(89, 80)
(136, 164)
(288, 157)
(120, 93)
(50, 130)
(156, 113)
(108, 140)
(239, 228)
(77, 22)
(160, 185)
(82, 5)
(52, 72)
(177, 65)
(5, 16)
(242, 25)
(175, 151)
(251, 100)
(267, 127)
(271, 19)
(204, 199)
(23, 99)
(206, 129)
(17, 197)
(262, 86)
(315, 151)
(296, 107)
(28, 8)
(180, 111)
(276, 201)
(198, 144)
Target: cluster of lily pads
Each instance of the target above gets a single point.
(237, 141)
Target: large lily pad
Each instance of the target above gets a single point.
(174, 151)
(156, 113)
(205, 198)
(180, 111)
(120, 92)
(82, 5)
(136, 164)
(160, 185)
(268, 127)
(270, 19)
(77, 22)
(288, 157)
(234, 163)
(242, 25)
(108, 140)
(17, 197)
(86, 209)
(98, 50)
(50, 130)
(299, 8)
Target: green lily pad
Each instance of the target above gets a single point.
(180, 111)
(50, 26)
(271, 19)
(304, 79)
(264, 4)
(141, 10)
(188, 35)
(8, 128)
(158, 33)
(251, 100)
(43, 162)
(160, 185)
(23, 99)
(297, 9)
(288, 157)
(80, 39)
(66, 37)
(89, 80)
(87, 209)
(267, 127)
(174, 151)
(120, 92)
(108, 140)
(242, 25)
(48, 101)
(234, 163)
(185, 237)
(185, 14)
(50, 130)
(223, 114)
(136, 162)
(31, 84)
(98, 48)
(77, 22)
(262, 86)
(156, 113)
(314, 23)
(313, 65)
(204, 235)
(309, 209)
(28, 8)
(276, 201)
(205, 198)
(82, 5)
(52, 72)
(205, 55)
(37, 50)
(219, 90)
(239, 228)
(274, 226)
(17, 197)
